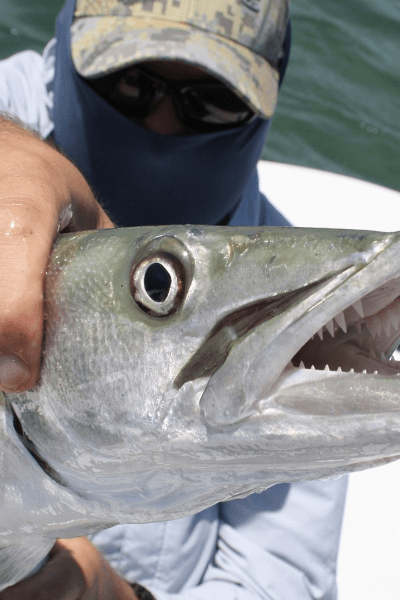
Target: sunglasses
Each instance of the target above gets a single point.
(203, 105)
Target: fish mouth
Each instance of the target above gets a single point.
(31, 448)
(361, 338)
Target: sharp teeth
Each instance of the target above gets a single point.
(321, 335)
(330, 327)
(341, 321)
(384, 321)
(312, 368)
(375, 372)
(364, 372)
(302, 365)
(358, 308)
(351, 371)
(327, 368)
(339, 370)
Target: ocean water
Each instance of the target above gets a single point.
(339, 108)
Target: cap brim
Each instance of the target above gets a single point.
(101, 45)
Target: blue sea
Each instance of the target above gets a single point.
(339, 107)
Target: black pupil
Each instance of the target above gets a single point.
(157, 282)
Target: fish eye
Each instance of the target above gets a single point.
(157, 285)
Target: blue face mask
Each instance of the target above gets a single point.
(144, 178)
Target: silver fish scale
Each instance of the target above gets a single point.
(156, 406)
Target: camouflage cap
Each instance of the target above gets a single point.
(238, 41)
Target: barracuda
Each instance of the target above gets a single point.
(184, 366)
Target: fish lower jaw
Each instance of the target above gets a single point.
(346, 357)
(381, 370)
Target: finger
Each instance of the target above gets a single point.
(83, 212)
(24, 250)
(60, 579)
(37, 190)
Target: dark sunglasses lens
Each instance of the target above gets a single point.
(215, 105)
(137, 92)
(202, 106)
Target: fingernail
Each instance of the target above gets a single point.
(14, 373)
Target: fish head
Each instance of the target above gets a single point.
(186, 365)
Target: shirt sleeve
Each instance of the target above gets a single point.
(278, 545)
(26, 88)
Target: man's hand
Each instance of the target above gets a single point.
(75, 571)
(41, 193)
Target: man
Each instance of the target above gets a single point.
(164, 107)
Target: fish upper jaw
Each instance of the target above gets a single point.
(349, 323)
